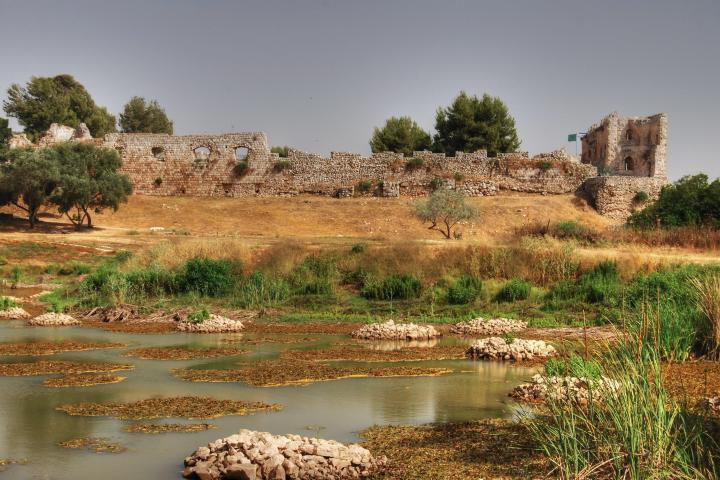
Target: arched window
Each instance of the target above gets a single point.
(201, 153)
(158, 153)
(241, 153)
(628, 134)
(629, 167)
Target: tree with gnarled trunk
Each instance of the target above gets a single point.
(444, 209)
(88, 180)
(27, 179)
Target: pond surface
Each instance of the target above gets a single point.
(31, 428)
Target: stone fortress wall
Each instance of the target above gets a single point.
(241, 164)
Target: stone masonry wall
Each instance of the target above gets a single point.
(173, 165)
(615, 196)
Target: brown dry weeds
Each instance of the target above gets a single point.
(183, 407)
(93, 444)
(360, 354)
(495, 449)
(301, 327)
(82, 380)
(46, 367)
(276, 373)
(183, 353)
(50, 348)
(168, 427)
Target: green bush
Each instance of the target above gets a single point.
(281, 166)
(393, 287)
(601, 284)
(464, 290)
(151, 281)
(158, 181)
(198, 316)
(6, 303)
(207, 276)
(314, 276)
(259, 290)
(692, 200)
(641, 197)
(74, 268)
(572, 229)
(544, 165)
(364, 186)
(241, 168)
(414, 163)
(358, 248)
(513, 290)
(436, 183)
(282, 151)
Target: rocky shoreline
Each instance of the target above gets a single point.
(496, 348)
(252, 455)
(492, 326)
(214, 324)
(581, 390)
(14, 313)
(396, 331)
(52, 319)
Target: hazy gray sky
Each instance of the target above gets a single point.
(319, 75)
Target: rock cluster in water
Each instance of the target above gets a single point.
(214, 324)
(542, 388)
(396, 331)
(14, 313)
(492, 326)
(251, 455)
(52, 319)
(496, 348)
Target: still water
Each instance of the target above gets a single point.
(31, 428)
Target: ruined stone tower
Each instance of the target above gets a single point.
(628, 146)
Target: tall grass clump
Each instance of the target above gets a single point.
(670, 299)
(638, 432)
(392, 287)
(6, 303)
(261, 290)
(314, 276)
(464, 290)
(600, 284)
(707, 293)
(513, 290)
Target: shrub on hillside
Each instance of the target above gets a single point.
(464, 290)
(261, 290)
(513, 290)
(207, 276)
(601, 284)
(689, 201)
(315, 275)
(393, 287)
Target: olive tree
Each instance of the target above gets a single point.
(88, 180)
(27, 180)
(443, 210)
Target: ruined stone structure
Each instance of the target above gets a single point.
(628, 146)
(632, 151)
(630, 154)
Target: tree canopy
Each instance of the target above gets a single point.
(443, 210)
(5, 132)
(27, 179)
(400, 135)
(471, 123)
(692, 200)
(141, 116)
(77, 177)
(88, 180)
(59, 99)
